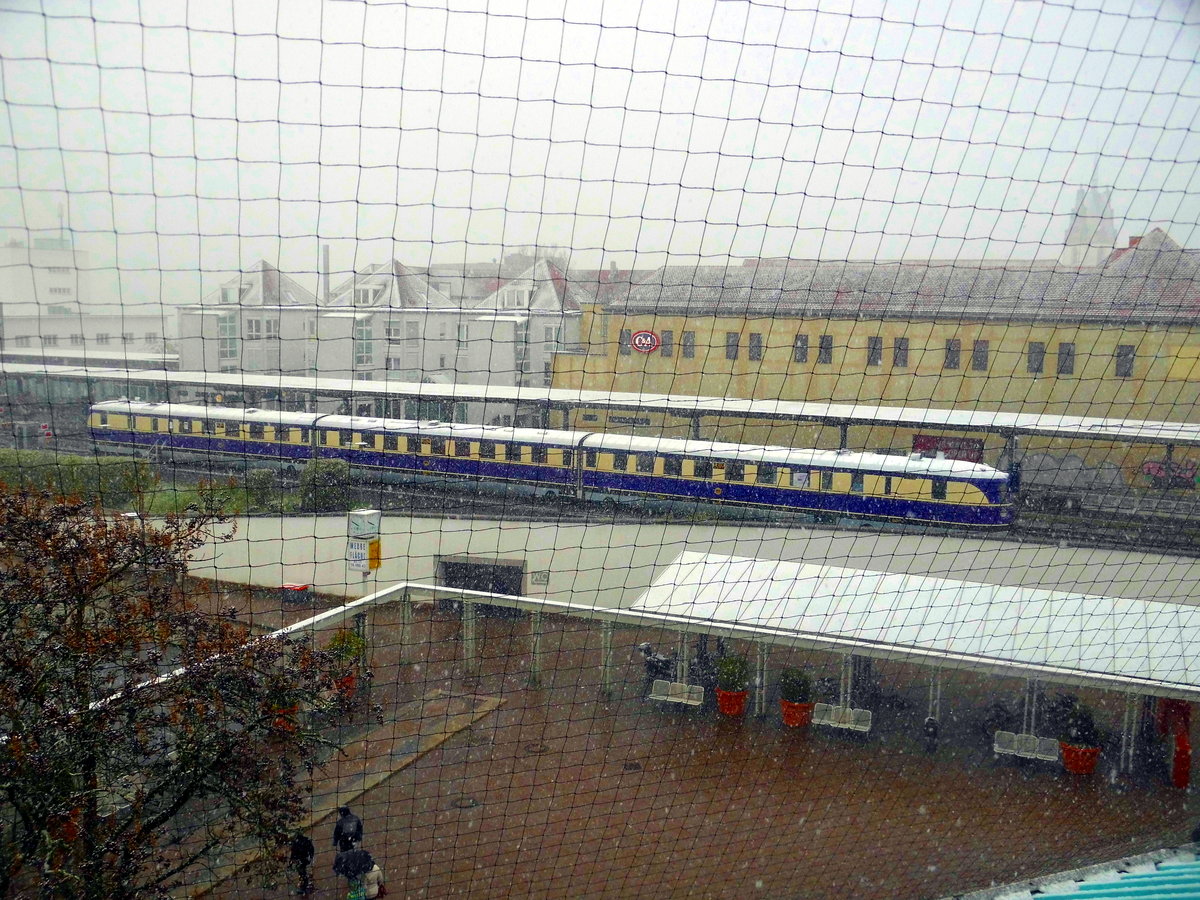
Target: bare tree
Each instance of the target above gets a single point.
(118, 774)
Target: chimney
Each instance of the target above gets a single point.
(324, 273)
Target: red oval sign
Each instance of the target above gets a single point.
(645, 341)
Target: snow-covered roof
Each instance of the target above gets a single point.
(1057, 636)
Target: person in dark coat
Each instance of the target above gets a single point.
(302, 857)
(348, 831)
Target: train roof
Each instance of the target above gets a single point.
(752, 453)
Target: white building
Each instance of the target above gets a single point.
(385, 322)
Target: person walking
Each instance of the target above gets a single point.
(373, 883)
(302, 858)
(347, 831)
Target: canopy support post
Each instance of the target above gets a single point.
(681, 657)
(846, 684)
(470, 660)
(606, 652)
(535, 650)
(760, 681)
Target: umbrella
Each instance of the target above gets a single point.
(353, 863)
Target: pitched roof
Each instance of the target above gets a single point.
(552, 289)
(261, 285)
(1155, 281)
(392, 285)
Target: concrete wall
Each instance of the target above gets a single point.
(612, 565)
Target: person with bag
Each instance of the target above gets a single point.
(373, 883)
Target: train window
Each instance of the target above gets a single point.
(568, 458)
(257, 430)
(185, 426)
(154, 424)
(209, 427)
(620, 462)
(412, 444)
(887, 484)
(540, 454)
(645, 463)
(937, 489)
(735, 471)
(702, 468)
(437, 446)
(283, 434)
(856, 482)
(487, 449)
(767, 474)
(672, 466)
(799, 479)
(103, 420)
(345, 437)
(462, 448)
(591, 459)
(391, 442)
(304, 435)
(827, 481)
(513, 452)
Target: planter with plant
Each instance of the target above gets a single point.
(795, 698)
(1079, 740)
(733, 680)
(348, 647)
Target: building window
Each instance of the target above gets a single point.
(151, 337)
(364, 350)
(625, 342)
(227, 331)
(22, 341)
(270, 326)
(1126, 353)
(393, 333)
(1035, 358)
(825, 350)
(553, 335)
(667, 345)
(953, 354)
(732, 338)
(874, 351)
(548, 374)
(59, 270)
(103, 338)
(689, 345)
(1066, 359)
(979, 356)
(254, 329)
(412, 332)
(50, 340)
(756, 347)
(800, 348)
(900, 353)
(464, 335)
(362, 296)
(77, 340)
(61, 291)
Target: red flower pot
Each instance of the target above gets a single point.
(796, 715)
(732, 703)
(1079, 760)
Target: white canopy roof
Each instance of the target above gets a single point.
(1131, 645)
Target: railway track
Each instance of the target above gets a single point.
(1131, 521)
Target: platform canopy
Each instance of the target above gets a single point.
(1138, 646)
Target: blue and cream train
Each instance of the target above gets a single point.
(591, 466)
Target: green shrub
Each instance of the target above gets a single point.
(346, 645)
(261, 487)
(112, 481)
(795, 686)
(733, 673)
(325, 485)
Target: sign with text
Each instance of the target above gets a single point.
(966, 449)
(363, 555)
(645, 341)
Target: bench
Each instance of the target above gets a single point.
(1025, 746)
(676, 692)
(842, 717)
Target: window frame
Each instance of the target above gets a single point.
(687, 345)
(756, 348)
(900, 353)
(1065, 363)
(1035, 358)
(952, 360)
(825, 350)
(1124, 360)
(800, 348)
(981, 351)
(874, 350)
(733, 345)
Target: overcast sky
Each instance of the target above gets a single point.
(187, 139)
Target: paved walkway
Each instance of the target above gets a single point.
(417, 727)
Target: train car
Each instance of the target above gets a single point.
(592, 466)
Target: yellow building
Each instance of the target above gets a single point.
(1121, 340)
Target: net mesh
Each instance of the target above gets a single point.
(846, 355)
